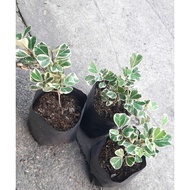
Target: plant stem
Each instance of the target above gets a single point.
(59, 99)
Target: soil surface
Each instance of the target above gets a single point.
(61, 118)
(104, 111)
(107, 152)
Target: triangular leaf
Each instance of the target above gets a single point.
(66, 90)
(31, 42)
(71, 79)
(111, 95)
(164, 120)
(36, 75)
(116, 162)
(130, 160)
(119, 152)
(163, 142)
(92, 68)
(159, 133)
(41, 48)
(121, 119)
(21, 54)
(135, 60)
(44, 60)
(26, 31)
(134, 95)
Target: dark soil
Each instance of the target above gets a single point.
(104, 111)
(61, 118)
(107, 152)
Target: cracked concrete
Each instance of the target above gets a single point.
(106, 32)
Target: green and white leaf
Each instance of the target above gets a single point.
(102, 85)
(125, 143)
(55, 85)
(34, 87)
(121, 119)
(164, 120)
(47, 89)
(119, 152)
(126, 71)
(130, 160)
(111, 95)
(149, 144)
(31, 42)
(36, 76)
(109, 102)
(26, 31)
(138, 105)
(40, 84)
(89, 78)
(92, 68)
(110, 76)
(41, 49)
(154, 106)
(159, 133)
(150, 131)
(18, 36)
(135, 74)
(163, 142)
(21, 54)
(139, 151)
(60, 68)
(138, 159)
(127, 131)
(131, 149)
(134, 94)
(65, 63)
(113, 133)
(135, 60)
(71, 80)
(48, 78)
(65, 90)
(120, 81)
(116, 162)
(44, 60)
(63, 51)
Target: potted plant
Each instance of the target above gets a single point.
(56, 109)
(118, 158)
(110, 94)
(116, 130)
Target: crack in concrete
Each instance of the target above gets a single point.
(111, 40)
(159, 18)
(20, 15)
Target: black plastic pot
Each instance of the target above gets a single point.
(92, 124)
(99, 175)
(44, 133)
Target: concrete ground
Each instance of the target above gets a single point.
(106, 32)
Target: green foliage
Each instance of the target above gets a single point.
(135, 143)
(47, 66)
(120, 90)
(117, 89)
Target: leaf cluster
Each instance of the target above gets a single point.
(134, 144)
(47, 66)
(120, 90)
(117, 89)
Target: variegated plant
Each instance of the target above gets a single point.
(134, 142)
(47, 67)
(117, 89)
(135, 132)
